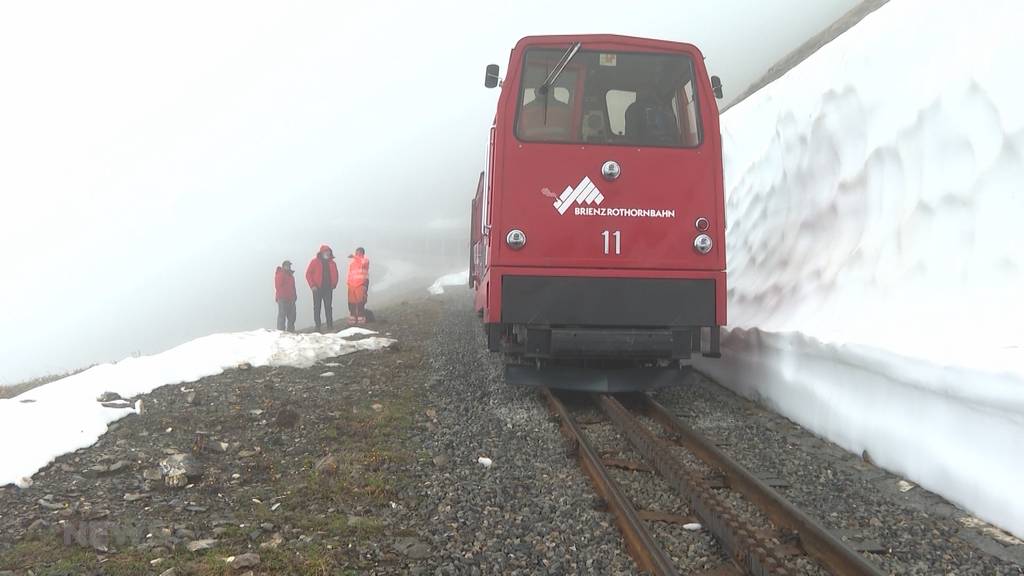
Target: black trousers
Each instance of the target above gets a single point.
(323, 297)
(357, 310)
(286, 315)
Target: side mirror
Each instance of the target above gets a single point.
(716, 87)
(491, 79)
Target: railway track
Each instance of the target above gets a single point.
(752, 547)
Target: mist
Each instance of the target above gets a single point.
(158, 161)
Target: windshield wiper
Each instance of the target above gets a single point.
(562, 63)
(553, 76)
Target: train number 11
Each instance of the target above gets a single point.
(607, 241)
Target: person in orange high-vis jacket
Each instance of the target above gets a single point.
(358, 285)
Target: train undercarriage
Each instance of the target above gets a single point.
(603, 334)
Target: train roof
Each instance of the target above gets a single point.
(608, 39)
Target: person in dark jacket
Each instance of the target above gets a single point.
(322, 277)
(650, 120)
(284, 294)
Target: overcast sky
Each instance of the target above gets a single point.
(158, 160)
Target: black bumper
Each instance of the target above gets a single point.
(611, 302)
(605, 318)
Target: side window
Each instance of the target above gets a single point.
(618, 101)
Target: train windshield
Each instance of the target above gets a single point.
(618, 98)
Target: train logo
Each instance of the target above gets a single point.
(584, 192)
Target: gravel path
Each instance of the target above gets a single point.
(913, 532)
(532, 511)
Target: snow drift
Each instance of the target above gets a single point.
(453, 279)
(874, 240)
(64, 415)
(396, 273)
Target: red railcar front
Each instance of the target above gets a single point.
(598, 228)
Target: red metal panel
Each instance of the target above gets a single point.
(523, 176)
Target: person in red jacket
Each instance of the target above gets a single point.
(284, 295)
(322, 276)
(358, 286)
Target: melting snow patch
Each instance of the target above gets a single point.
(395, 273)
(355, 331)
(990, 530)
(454, 279)
(64, 415)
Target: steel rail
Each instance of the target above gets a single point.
(649, 556)
(816, 540)
(750, 551)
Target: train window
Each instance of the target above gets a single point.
(618, 101)
(559, 95)
(547, 116)
(623, 98)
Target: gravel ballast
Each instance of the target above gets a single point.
(532, 511)
(909, 532)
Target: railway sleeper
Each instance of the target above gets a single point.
(814, 539)
(752, 553)
(642, 547)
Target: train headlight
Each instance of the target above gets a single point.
(702, 243)
(702, 224)
(515, 239)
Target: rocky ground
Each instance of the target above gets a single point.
(416, 460)
(692, 551)
(902, 528)
(531, 511)
(284, 470)
(365, 464)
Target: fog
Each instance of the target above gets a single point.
(157, 161)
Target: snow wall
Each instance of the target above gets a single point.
(876, 245)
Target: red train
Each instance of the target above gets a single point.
(598, 235)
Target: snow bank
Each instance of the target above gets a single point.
(453, 279)
(64, 415)
(874, 199)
